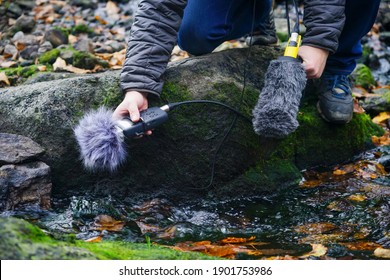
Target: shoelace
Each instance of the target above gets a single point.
(339, 85)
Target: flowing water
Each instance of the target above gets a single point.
(344, 209)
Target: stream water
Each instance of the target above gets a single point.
(345, 209)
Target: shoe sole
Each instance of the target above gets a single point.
(326, 119)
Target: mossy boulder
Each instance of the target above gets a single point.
(176, 161)
(362, 76)
(21, 240)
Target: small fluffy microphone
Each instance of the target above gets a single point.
(275, 114)
(101, 142)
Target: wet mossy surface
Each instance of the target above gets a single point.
(21, 240)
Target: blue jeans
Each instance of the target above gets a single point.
(208, 23)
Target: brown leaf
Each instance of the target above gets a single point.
(361, 245)
(4, 79)
(7, 64)
(357, 108)
(42, 68)
(315, 228)
(339, 172)
(94, 239)
(105, 222)
(382, 140)
(60, 65)
(236, 240)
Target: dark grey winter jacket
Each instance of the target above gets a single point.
(154, 33)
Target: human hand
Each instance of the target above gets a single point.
(314, 60)
(132, 104)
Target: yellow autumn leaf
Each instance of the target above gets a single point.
(382, 253)
(383, 116)
(339, 172)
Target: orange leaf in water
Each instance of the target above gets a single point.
(94, 239)
(361, 245)
(339, 172)
(237, 240)
(105, 222)
(357, 197)
(381, 141)
(315, 228)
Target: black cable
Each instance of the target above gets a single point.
(236, 111)
(176, 104)
(288, 20)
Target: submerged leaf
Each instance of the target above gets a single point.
(382, 253)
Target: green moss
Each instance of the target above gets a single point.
(86, 60)
(110, 250)
(282, 36)
(362, 76)
(25, 72)
(174, 92)
(21, 240)
(64, 30)
(49, 57)
(81, 28)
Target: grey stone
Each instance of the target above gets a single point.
(25, 184)
(29, 52)
(46, 46)
(84, 45)
(25, 23)
(14, 10)
(16, 149)
(10, 50)
(56, 37)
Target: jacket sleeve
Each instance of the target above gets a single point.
(324, 21)
(152, 38)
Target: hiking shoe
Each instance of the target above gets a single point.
(265, 34)
(335, 103)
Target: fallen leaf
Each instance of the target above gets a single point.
(357, 197)
(7, 64)
(318, 250)
(105, 222)
(361, 245)
(60, 65)
(42, 68)
(382, 140)
(382, 117)
(236, 240)
(339, 172)
(4, 79)
(357, 108)
(310, 183)
(382, 253)
(315, 228)
(94, 239)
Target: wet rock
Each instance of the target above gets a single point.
(14, 10)
(16, 149)
(380, 102)
(25, 184)
(29, 52)
(10, 51)
(46, 46)
(25, 23)
(92, 4)
(84, 45)
(385, 37)
(23, 180)
(56, 37)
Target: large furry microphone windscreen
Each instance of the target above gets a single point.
(101, 144)
(275, 114)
